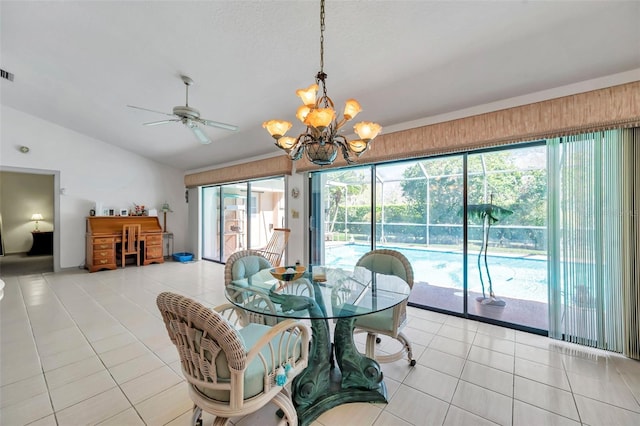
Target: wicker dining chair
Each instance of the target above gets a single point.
(234, 372)
(274, 249)
(244, 264)
(390, 321)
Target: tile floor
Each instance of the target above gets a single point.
(80, 348)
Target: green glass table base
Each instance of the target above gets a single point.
(323, 385)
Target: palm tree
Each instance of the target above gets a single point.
(488, 214)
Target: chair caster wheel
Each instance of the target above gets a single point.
(378, 340)
(412, 362)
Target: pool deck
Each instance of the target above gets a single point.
(517, 311)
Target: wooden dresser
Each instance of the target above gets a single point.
(104, 233)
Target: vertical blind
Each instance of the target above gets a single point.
(591, 193)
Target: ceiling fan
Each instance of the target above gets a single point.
(188, 116)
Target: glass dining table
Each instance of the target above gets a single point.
(333, 295)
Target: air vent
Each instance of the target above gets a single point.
(6, 75)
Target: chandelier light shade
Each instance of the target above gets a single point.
(321, 141)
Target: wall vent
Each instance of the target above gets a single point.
(6, 75)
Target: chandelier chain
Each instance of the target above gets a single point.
(322, 36)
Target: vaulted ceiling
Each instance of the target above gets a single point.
(80, 63)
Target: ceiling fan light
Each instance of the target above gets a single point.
(277, 128)
(351, 109)
(320, 118)
(367, 130)
(308, 95)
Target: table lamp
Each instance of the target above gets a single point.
(36, 217)
(165, 208)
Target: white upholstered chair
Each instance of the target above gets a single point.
(234, 372)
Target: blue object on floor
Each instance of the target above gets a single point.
(183, 257)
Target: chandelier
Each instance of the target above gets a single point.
(321, 141)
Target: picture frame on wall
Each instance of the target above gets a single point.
(124, 212)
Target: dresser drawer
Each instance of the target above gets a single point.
(104, 261)
(154, 252)
(102, 246)
(154, 240)
(102, 254)
(103, 240)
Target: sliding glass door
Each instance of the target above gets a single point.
(490, 263)
(240, 215)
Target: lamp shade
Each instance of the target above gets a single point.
(367, 130)
(286, 142)
(351, 109)
(320, 118)
(277, 128)
(36, 216)
(308, 95)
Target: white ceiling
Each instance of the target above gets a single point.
(79, 63)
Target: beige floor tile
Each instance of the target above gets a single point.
(598, 413)
(95, 409)
(60, 341)
(116, 309)
(541, 356)
(542, 373)
(123, 354)
(72, 372)
(493, 359)
(423, 324)
(22, 390)
(79, 390)
(432, 382)
(151, 383)
(487, 377)
(450, 346)
(113, 342)
(27, 410)
(128, 417)
(483, 402)
(416, 407)
(459, 417)
(67, 357)
(497, 331)
(359, 414)
(614, 392)
(45, 421)
(457, 333)
(528, 415)
(545, 397)
(388, 419)
(20, 369)
(441, 361)
(397, 371)
(135, 367)
(495, 344)
(166, 405)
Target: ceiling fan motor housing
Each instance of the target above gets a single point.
(186, 112)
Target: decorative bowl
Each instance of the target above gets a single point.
(287, 273)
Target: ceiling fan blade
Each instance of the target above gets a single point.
(155, 123)
(151, 110)
(202, 137)
(218, 124)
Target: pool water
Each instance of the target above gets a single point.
(515, 277)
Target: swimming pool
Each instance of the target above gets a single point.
(516, 277)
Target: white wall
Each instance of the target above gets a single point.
(89, 170)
